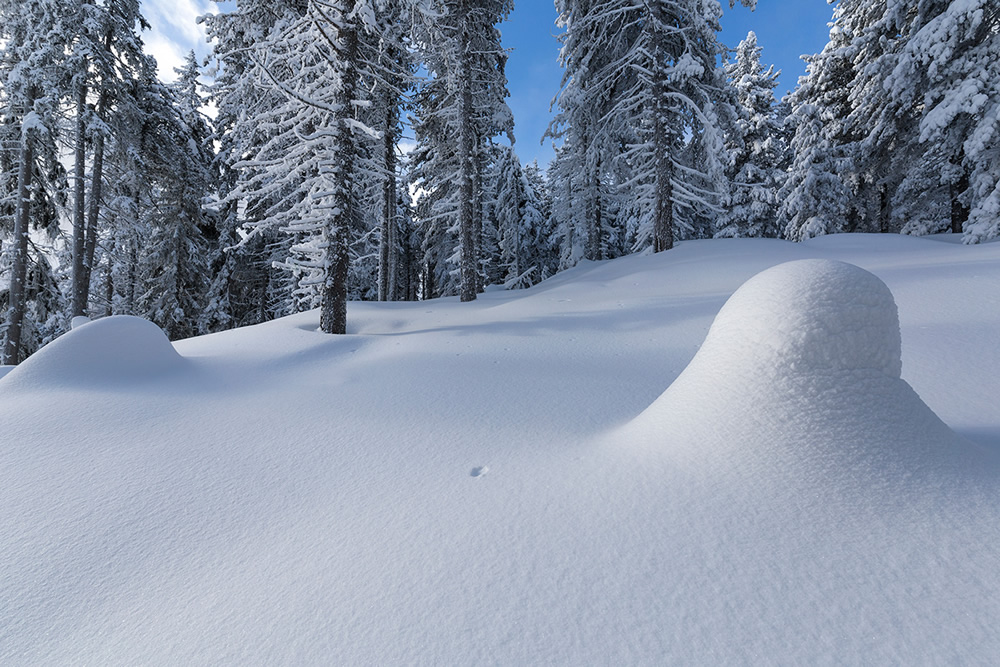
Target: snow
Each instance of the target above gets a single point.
(705, 456)
(111, 353)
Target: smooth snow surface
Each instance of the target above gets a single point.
(579, 473)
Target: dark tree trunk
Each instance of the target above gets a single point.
(79, 301)
(19, 263)
(598, 240)
(477, 218)
(82, 286)
(663, 166)
(109, 291)
(93, 213)
(429, 288)
(387, 242)
(333, 307)
(959, 211)
(469, 263)
(884, 211)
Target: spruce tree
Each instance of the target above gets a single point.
(757, 151)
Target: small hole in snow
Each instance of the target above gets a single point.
(479, 471)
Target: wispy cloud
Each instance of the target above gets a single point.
(174, 32)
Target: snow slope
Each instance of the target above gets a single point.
(511, 481)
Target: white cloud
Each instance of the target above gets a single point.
(174, 31)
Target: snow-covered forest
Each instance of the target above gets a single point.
(715, 386)
(120, 194)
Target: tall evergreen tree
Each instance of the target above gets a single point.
(458, 110)
(649, 71)
(306, 171)
(817, 195)
(108, 63)
(247, 287)
(174, 259)
(952, 61)
(32, 59)
(757, 152)
(897, 122)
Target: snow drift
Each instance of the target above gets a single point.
(112, 352)
(802, 367)
(297, 498)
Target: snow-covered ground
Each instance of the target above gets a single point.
(511, 481)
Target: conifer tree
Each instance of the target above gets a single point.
(108, 64)
(952, 60)
(642, 87)
(817, 195)
(457, 111)
(32, 59)
(757, 152)
(306, 171)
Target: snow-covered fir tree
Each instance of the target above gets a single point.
(32, 69)
(758, 154)
(952, 61)
(174, 260)
(544, 246)
(817, 195)
(458, 109)
(592, 137)
(896, 122)
(642, 87)
(247, 287)
(518, 221)
(108, 64)
(305, 174)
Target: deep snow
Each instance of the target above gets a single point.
(511, 481)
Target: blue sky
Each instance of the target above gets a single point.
(785, 30)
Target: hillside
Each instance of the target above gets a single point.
(531, 478)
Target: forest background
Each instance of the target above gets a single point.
(327, 150)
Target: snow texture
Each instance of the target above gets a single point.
(804, 361)
(112, 352)
(774, 492)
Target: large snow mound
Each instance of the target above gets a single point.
(802, 366)
(810, 316)
(111, 352)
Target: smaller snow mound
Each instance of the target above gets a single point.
(110, 351)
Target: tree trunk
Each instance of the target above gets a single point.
(94, 210)
(959, 211)
(663, 165)
(19, 265)
(428, 287)
(333, 307)
(598, 240)
(93, 215)
(109, 291)
(387, 242)
(79, 290)
(469, 263)
(884, 212)
(477, 217)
